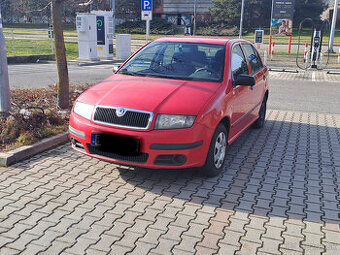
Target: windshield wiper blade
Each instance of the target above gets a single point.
(130, 73)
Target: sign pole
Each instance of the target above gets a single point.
(241, 20)
(270, 30)
(147, 16)
(147, 30)
(5, 104)
(335, 15)
(113, 9)
(195, 16)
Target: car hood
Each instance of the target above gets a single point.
(156, 95)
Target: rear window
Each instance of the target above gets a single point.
(253, 57)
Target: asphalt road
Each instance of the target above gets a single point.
(42, 75)
(319, 96)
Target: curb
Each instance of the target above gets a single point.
(95, 63)
(24, 152)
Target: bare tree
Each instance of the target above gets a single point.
(60, 54)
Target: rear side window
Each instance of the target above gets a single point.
(238, 62)
(253, 57)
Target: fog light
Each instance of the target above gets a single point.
(76, 132)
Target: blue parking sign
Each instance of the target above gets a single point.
(146, 5)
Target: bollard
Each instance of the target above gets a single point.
(339, 56)
(305, 53)
(270, 44)
(306, 60)
(289, 44)
(272, 53)
(265, 56)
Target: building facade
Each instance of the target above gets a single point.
(328, 14)
(181, 12)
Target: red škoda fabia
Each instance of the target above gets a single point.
(176, 103)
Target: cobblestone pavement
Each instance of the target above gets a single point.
(279, 194)
(315, 76)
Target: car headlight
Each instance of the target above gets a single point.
(167, 121)
(84, 110)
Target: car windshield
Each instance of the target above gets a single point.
(178, 60)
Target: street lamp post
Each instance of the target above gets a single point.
(241, 20)
(335, 15)
(113, 9)
(5, 104)
(195, 15)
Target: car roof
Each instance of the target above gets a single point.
(197, 39)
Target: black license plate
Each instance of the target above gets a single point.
(120, 145)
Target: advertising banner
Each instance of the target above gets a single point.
(282, 17)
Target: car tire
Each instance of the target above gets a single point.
(259, 123)
(215, 161)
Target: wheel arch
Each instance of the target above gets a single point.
(226, 123)
(266, 95)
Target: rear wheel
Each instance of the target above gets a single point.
(259, 123)
(215, 161)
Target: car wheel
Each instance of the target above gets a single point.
(259, 123)
(215, 161)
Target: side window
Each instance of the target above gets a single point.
(238, 62)
(168, 54)
(253, 57)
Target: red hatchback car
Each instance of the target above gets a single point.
(176, 103)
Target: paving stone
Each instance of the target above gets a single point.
(187, 243)
(227, 249)
(248, 248)
(165, 246)
(210, 241)
(104, 243)
(270, 246)
(278, 194)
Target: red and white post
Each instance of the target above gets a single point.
(339, 56)
(272, 52)
(289, 44)
(305, 53)
(270, 45)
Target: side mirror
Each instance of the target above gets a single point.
(245, 80)
(115, 68)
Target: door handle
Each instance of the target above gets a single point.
(264, 77)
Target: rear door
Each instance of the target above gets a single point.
(257, 70)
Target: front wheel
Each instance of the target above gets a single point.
(215, 161)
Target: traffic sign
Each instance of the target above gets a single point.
(146, 5)
(146, 15)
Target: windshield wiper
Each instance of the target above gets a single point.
(131, 73)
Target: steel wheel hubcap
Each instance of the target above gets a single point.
(220, 149)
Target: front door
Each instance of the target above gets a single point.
(241, 94)
(257, 70)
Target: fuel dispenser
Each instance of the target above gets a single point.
(313, 60)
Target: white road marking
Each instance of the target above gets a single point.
(313, 76)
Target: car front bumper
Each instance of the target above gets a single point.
(178, 148)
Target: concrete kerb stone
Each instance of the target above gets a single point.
(93, 63)
(24, 152)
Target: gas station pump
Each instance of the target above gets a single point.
(313, 60)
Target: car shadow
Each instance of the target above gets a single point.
(286, 170)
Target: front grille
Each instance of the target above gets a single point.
(131, 119)
(141, 158)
